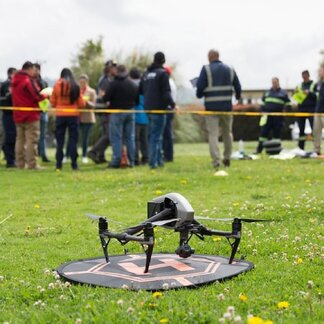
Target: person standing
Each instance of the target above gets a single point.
(215, 83)
(306, 98)
(66, 98)
(87, 119)
(319, 120)
(8, 121)
(97, 152)
(122, 93)
(26, 93)
(156, 89)
(274, 100)
(168, 130)
(42, 84)
(141, 124)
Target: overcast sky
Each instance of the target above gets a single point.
(260, 38)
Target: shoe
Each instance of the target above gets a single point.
(45, 159)
(36, 167)
(227, 163)
(11, 165)
(85, 160)
(93, 156)
(75, 168)
(216, 166)
(102, 160)
(65, 160)
(111, 166)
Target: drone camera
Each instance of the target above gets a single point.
(184, 251)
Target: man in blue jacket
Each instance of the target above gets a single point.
(274, 100)
(215, 84)
(156, 89)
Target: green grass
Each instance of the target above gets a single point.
(47, 227)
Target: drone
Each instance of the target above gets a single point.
(170, 211)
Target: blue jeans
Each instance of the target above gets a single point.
(122, 125)
(42, 136)
(156, 129)
(85, 134)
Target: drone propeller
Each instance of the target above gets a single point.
(94, 217)
(98, 217)
(157, 223)
(246, 220)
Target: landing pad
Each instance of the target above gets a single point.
(167, 271)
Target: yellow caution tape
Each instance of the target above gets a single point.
(180, 112)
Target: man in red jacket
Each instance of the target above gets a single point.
(25, 93)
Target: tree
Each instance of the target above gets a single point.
(90, 60)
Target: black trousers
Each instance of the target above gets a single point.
(9, 138)
(71, 124)
(168, 139)
(141, 143)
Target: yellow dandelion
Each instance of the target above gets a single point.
(158, 192)
(216, 239)
(255, 320)
(157, 294)
(164, 320)
(37, 206)
(243, 297)
(283, 305)
(267, 322)
(236, 204)
(300, 261)
(184, 182)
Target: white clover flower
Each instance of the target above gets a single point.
(2, 278)
(237, 319)
(221, 297)
(67, 284)
(222, 320)
(310, 284)
(130, 310)
(125, 287)
(227, 316)
(165, 286)
(120, 302)
(78, 321)
(51, 285)
(47, 272)
(231, 310)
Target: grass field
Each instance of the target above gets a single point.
(47, 227)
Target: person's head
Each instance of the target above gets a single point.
(159, 58)
(11, 71)
(213, 55)
(321, 72)
(74, 89)
(29, 68)
(134, 73)
(37, 69)
(275, 83)
(122, 70)
(305, 76)
(111, 68)
(83, 81)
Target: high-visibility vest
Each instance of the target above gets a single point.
(299, 96)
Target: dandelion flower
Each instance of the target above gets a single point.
(216, 239)
(184, 182)
(120, 302)
(283, 305)
(130, 310)
(227, 316)
(78, 321)
(164, 320)
(221, 297)
(300, 261)
(165, 286)
(67, 284)
(51, 285)
(243, 297)
(36, 206)
(237, 319)
(157, 294)
(255, 320)
(231, 310)
(158, 192)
